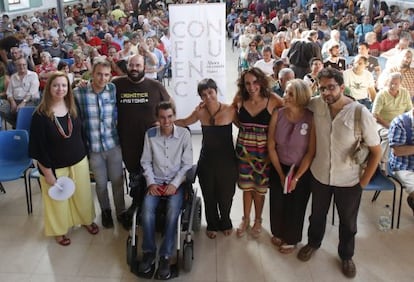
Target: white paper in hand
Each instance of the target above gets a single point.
(63, 189)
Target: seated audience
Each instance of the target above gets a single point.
(334, 60)
(23, 90)
(285, 75)
(360, 81)
(266, 64)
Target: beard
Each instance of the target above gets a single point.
(331, 99)
(135, 75)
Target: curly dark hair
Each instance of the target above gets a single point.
(261, 79)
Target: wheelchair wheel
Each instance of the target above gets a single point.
(187, 257)
(131, 250)
(197, 216)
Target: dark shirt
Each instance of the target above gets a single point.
(136, 114)
(50, 148)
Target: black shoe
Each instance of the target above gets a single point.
(410, 202)
(148, 260)
(305, 253)
(348, 268)
(125, 220)
(164, 268)
(107, 221)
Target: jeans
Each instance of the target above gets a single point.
(366, 102)
(108, 165)
(173, 209)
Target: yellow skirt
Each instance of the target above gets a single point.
(77, 210)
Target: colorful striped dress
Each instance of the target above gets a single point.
(251, 150)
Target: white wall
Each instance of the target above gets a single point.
(47, 4)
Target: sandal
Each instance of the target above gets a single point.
(257, 228)
(211, 234)
(287, 249)
(243, 227)
(228, 232)
(62, 240)
(276, 241)
(92, 228)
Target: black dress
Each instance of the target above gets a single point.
(217, 173)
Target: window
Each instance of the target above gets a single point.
(14, 2)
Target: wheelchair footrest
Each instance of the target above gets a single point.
(147, 275)
(173, 271)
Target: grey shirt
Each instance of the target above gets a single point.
(166, 159)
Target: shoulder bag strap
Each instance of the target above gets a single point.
(357, 122)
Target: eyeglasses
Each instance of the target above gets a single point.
(329, 87)
(252, 45)
(400, 26)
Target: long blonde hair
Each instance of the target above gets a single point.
(45, 106)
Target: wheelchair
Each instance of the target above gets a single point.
(189, 221)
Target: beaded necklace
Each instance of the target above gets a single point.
(213, 116)
(60, 128)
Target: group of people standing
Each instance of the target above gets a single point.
(304, 146)
(292, 146)
(95, 120)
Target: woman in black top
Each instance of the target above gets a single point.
(58, 145)
(217, 166)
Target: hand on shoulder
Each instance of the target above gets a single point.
(275, 102)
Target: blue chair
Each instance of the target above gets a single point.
(392, 176)
(381, 182)
(24, 118)
(14, 159)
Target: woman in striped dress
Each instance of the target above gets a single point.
(255, 104)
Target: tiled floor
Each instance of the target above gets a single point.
(27, 255)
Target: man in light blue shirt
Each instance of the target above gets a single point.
(166, 158)
(363, 28)
(158, 69)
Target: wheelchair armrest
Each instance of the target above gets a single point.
(191, 174)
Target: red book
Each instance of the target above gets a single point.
(288, 179)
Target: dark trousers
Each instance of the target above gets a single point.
(218, 182)
(287, 211)
(347, 200)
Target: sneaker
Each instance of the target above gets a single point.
(164, 268)
(148, 260)
(107, 221)
(348, 268)
(305, 253)
(125, 220)
(410, 202)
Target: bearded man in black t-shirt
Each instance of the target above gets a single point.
(137, 97)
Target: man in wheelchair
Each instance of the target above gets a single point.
(166, 158)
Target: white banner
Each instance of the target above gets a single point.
(198, 34)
